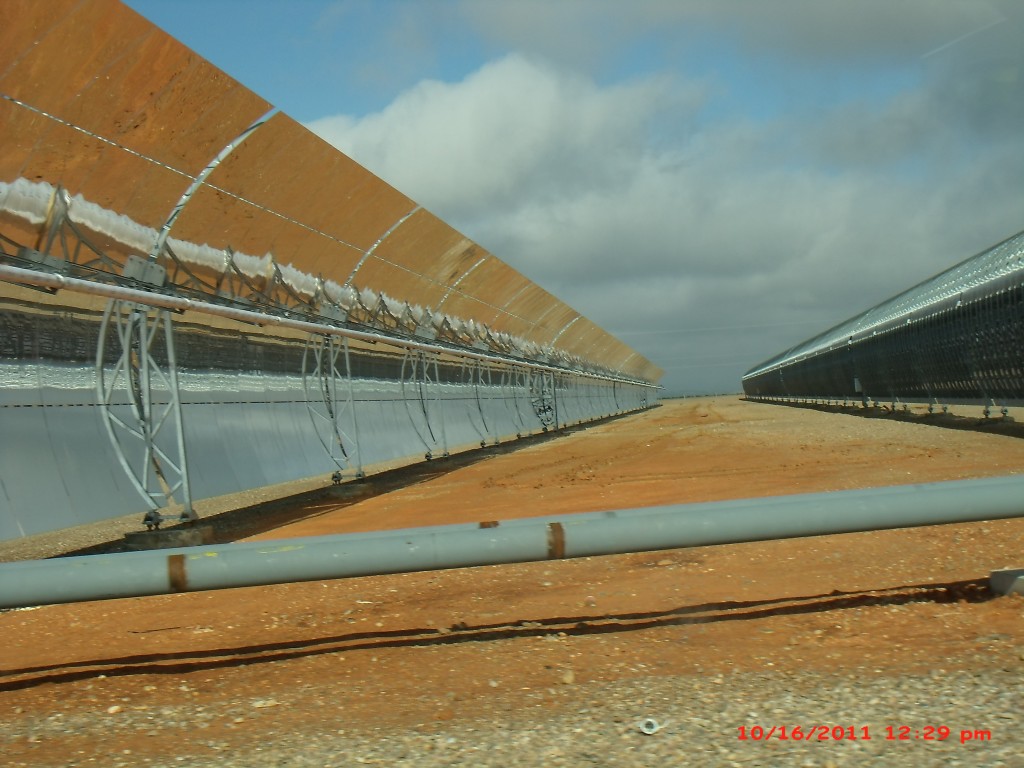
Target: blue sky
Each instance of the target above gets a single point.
(711, 180)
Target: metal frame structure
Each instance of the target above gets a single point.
(234, 269)
(514, 383)
(141, 399)
(152, 408)
(330, 399)
(420, 370)
(953, 339)
(29, 275)
(138, 393)
(476, 376)
(544, 398)
(144, 296)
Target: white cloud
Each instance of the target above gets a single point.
(631, 204)
(513, 126)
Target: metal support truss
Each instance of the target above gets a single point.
(20, 275)
(515, 382)
(419, 371)
(139, 400)
(477, 375)
(63, 247)
(330, 399)
(542, 398)
(590, 392)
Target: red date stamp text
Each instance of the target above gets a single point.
(823, 732)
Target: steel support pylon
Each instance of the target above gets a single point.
(514, 385)
(419, 372)
(141, 406)
(542, 398)
(477, 375)
(330, 400)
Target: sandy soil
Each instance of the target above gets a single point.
(235, 667)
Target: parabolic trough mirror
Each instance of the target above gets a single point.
(198, 296)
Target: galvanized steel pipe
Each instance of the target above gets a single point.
(96, 577)
(55, 281)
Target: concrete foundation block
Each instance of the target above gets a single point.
(1008, 581)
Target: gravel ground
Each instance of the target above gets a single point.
(697, 722)
(693, 721)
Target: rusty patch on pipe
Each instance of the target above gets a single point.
(556, 541)
(176, 573)
(490, 524)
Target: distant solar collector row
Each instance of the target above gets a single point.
(955, 338)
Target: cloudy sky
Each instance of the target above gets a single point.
(712, 181)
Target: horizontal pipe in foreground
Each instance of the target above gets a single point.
(96, 577)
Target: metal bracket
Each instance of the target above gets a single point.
(74, 251)
(987, 412)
